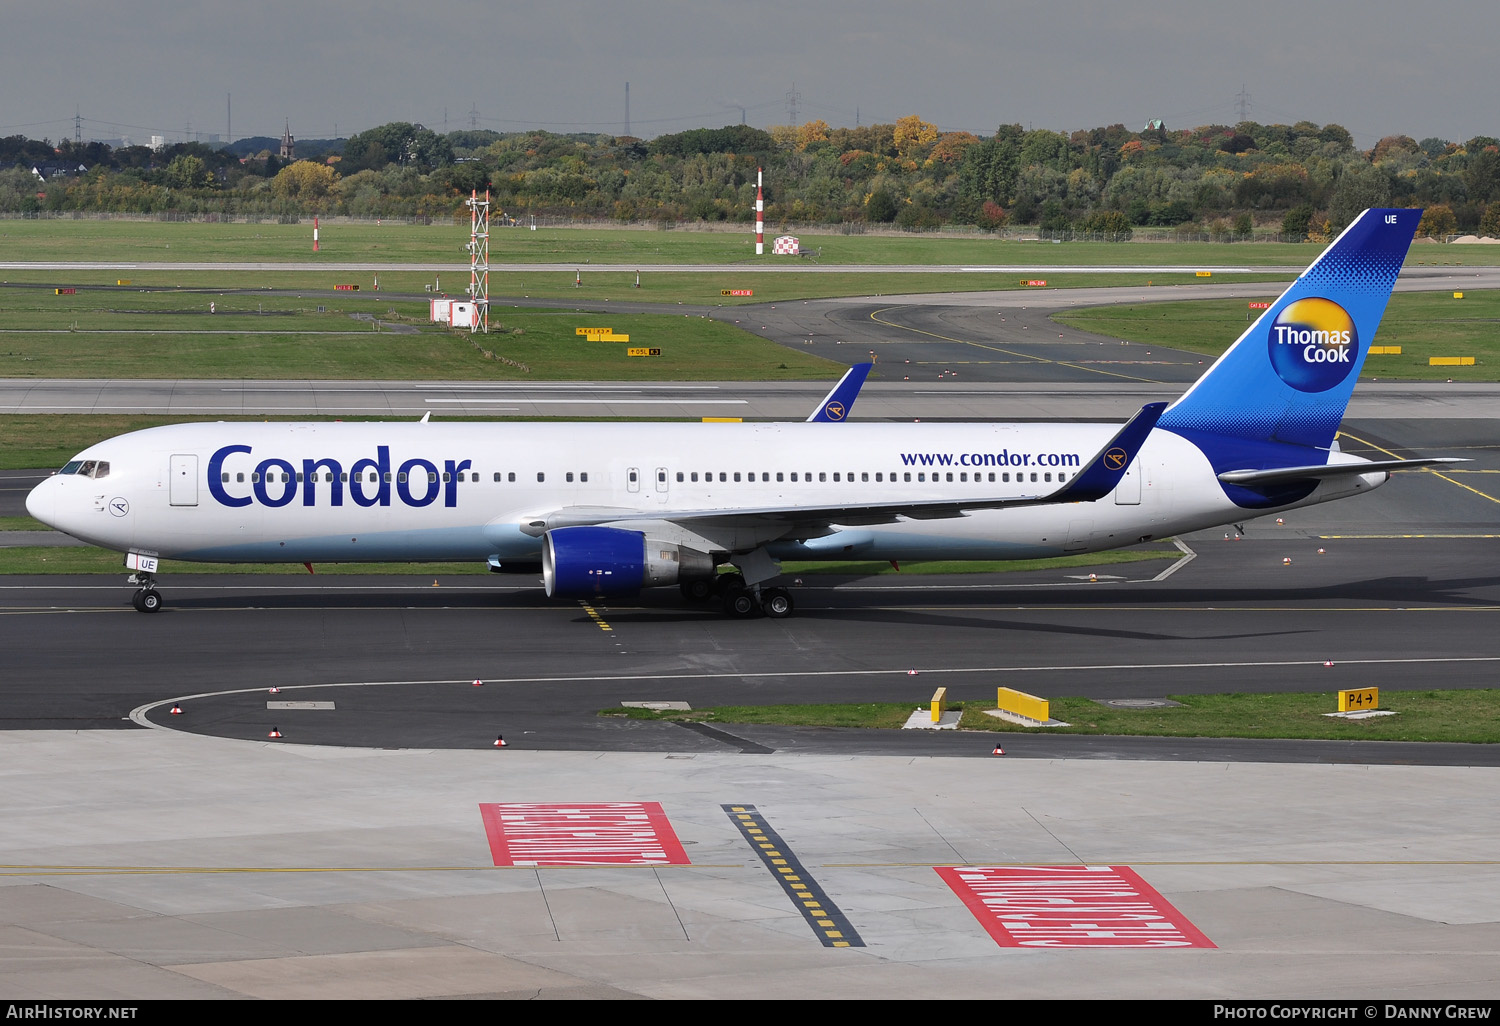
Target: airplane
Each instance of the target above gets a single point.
(610, 510)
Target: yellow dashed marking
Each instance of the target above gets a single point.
(827, 921)
(594, 615)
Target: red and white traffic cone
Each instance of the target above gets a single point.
(274, 733)
(998, 751)
(500, 741)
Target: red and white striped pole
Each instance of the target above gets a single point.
(315, 235)
(760, 223)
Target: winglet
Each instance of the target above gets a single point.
(1100, 475)
(837, 403)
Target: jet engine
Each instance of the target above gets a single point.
(578, 562)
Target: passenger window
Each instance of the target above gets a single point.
(922, 476)
(907, 475)
(695, 477)
(778, 476)
(224, 477)
(864, 476)
(822, 475)
(1047, 476)
(584, 477)
(541, 476)
(723, 476)
(835, 475)
(679, 477)
(568, 477)
(497, 477)
(511, 477)
(950, 476)
(878, 478)
(736, 475)
(794, 475)
(401, 477)
(387, 477)
(1033, 476)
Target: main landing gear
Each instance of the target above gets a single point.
(740, 601)
(146, 599)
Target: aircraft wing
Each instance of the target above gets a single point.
(1097, 479)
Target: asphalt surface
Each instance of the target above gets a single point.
(149, 854)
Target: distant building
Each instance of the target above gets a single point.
(47, 170)
(288, 144)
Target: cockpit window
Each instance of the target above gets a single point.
(87, 468)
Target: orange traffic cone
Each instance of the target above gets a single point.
(500, 741)
(176, 710)
(274, 733)
(998, 751)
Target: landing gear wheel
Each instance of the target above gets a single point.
(699, 589)
(777, 603)
(727, 584)
(147, 600)
(741, 604)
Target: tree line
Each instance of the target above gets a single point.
(1302, 180)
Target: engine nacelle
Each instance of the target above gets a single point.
(578, 562)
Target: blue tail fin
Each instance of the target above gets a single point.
(837, 403)
(1288, 378)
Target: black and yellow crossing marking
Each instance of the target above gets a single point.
(594, 615)
(831, 926)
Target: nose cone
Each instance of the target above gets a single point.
(41, 502)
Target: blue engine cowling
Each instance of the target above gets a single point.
(578, 562)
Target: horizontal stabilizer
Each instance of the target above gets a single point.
(1312, 473)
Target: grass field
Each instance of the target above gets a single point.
(1456, 716)
(1423, 324)
(135, 334)
(340, 242)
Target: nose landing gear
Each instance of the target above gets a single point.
(146, 599)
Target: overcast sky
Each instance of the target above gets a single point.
(168, 67)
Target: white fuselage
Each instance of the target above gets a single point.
(356, 492)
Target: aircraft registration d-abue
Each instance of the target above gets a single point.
(610, 512)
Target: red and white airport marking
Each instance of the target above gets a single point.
(581, 834)
(1070, 907)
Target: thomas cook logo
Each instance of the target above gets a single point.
(1313, 344)
(835, 411)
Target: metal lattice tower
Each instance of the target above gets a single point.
(479, 260)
